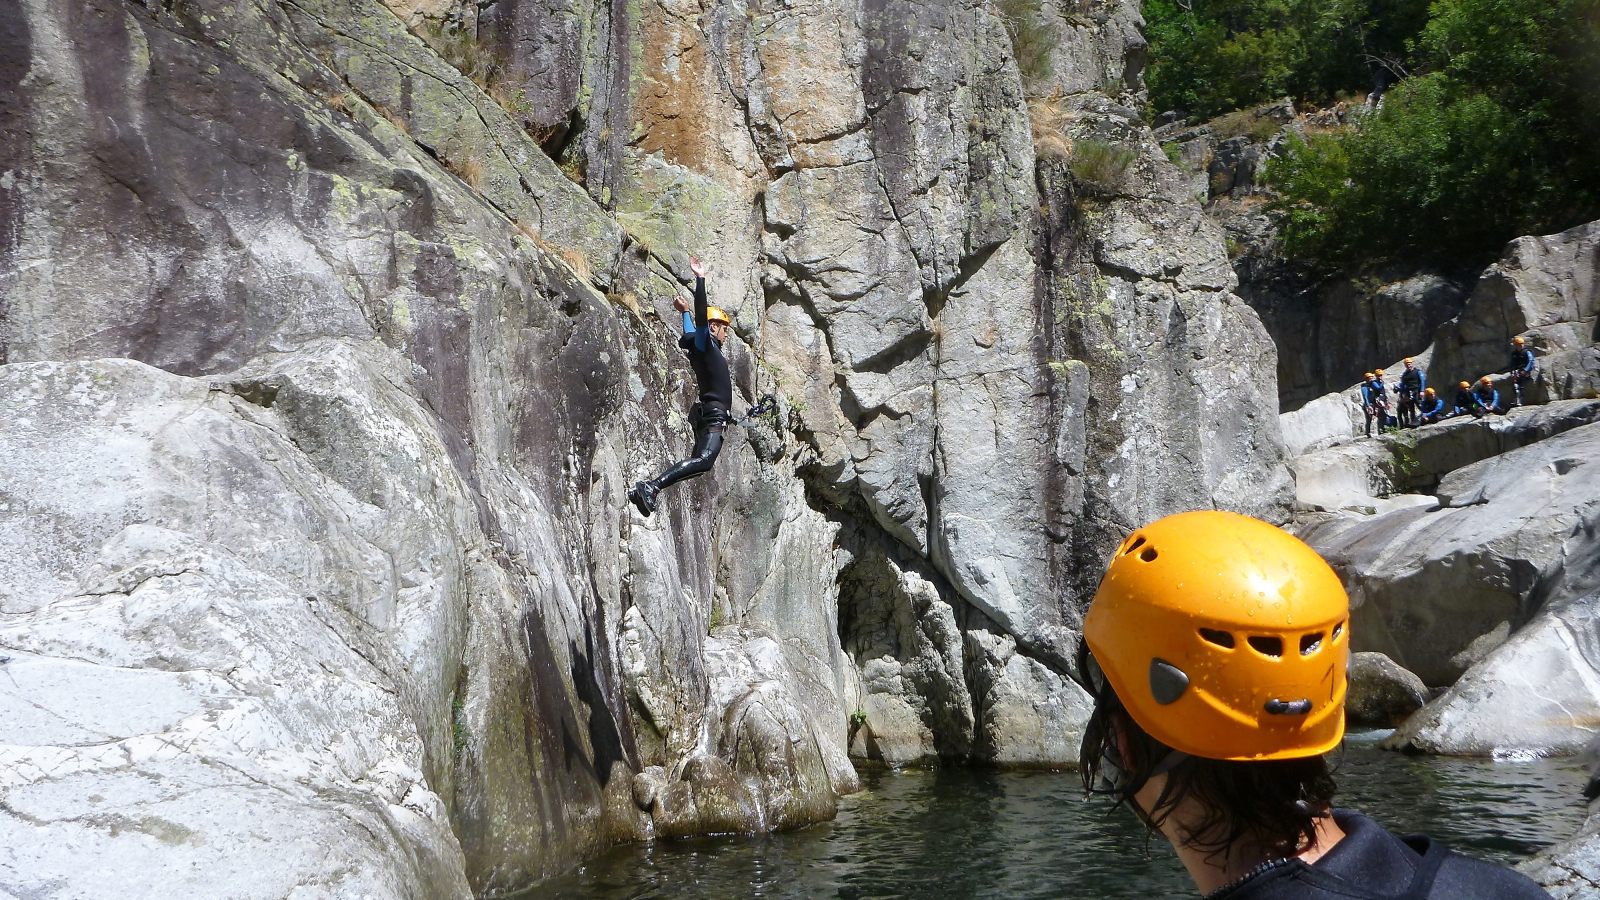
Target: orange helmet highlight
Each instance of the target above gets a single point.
(1224, 637)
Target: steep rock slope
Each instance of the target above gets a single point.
(323, 383)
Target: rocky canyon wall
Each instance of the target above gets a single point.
(333, 335)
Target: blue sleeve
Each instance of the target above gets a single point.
(1422, 380)
(1529, 366)
(702, 328)
(688, 323)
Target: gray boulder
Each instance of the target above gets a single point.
(1382, 694)
(1509, 540)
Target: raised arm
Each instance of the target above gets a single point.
(702, 328)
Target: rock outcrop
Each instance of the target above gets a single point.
(1381, 693)
(1511, 538)
(332, 335)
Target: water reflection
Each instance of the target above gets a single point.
(1012, 836)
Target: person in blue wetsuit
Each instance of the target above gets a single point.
(704, 333)
(1521, 367)
(1413, 381)
(1485, 399)
(1465, 405)
(1375, 400)
(1431, 409)
(1215, 651)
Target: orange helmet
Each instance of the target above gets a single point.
(1224, 637)
(1408, 360)
(1465, 385)
(1484, 380)
(1428, 392)
(1518, 341)
(715, 314)
(1367, 376)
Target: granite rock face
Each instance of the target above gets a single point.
(329, 348)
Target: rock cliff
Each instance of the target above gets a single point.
(332, 334)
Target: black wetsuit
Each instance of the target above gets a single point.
(1372, 864)
(710, 416)
(1412, 382)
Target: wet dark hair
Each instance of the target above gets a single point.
(1274, 803)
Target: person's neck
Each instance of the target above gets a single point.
(1211, 870)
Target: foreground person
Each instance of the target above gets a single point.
(704, 334)
(1215, 649)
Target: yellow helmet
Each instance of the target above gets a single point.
(1465, 385)
(1367, 376)
(1484, 380)
(1224, 637)
(715, 314)
(1408, 360)
(1518, 341)
(1428, 392)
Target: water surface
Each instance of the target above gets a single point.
(960, 834)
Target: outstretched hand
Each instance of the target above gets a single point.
(697, 267)
(681, 303)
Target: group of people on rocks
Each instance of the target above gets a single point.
(1415, 404)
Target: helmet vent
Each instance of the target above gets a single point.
(1220, 638)
(1310, 643)
(1338, 630)
(1267, 646)
(1148, 554)
(1138, 541)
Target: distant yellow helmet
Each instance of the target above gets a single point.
(1465, 385)
(1367, 376)
(1518, 341)
(1224, 637)
(1408, 360)
(1429, 392)
(715, 314)
(1484, 380)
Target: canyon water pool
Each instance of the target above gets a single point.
(959, 833)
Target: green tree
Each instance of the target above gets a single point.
(1212, 56)
(1499, 139)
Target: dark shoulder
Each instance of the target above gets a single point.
(687, 341)
(1473, 879)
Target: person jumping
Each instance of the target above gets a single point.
(704, 333)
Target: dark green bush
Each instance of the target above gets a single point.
(1499, 139)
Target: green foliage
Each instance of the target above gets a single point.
(1212, 56)
(1032, 38)
(1173, 152)
(458, 727)
(1498, 140)
(1101, 166)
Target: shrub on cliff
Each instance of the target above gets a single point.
(1212, 57)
